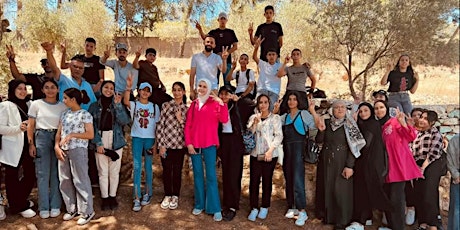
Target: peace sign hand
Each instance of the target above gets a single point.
(64, 46)
(225, 52)
(48, 46)
(251, 28)
(234, 63)
(107, 51)
(258, 41)
(138, 52)
(10, 52)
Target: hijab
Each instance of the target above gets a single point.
(203, 98)
(106, 101)
(384, 119)
(20, 103)
(354, 137)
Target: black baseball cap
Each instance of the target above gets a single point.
(381, 92)
(151, 50)
(228, 88)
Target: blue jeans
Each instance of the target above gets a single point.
(453, 222)
(402, 100)
(46, 169)
(273, 97)
(224, 76)
(294, 174)
(206, 198)
(139, 146)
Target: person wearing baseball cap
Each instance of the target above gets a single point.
(121, 67)
(380, 95)
(225, 37)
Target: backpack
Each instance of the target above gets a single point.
(253, 94)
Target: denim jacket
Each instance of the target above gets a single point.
(120, 118)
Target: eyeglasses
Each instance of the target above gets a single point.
(78, 67)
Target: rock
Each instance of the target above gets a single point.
(32, 227)
(449, 136)
(450, 121)
(454, 113)
(440, 110)
(450, 108)
(456, 129)
(445, 129)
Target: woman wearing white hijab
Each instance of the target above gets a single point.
(201, 139)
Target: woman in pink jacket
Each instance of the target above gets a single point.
(201, 139)
(397, 135)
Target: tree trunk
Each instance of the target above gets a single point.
(117, 6)
(350, 76)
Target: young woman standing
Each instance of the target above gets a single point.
(44, 115)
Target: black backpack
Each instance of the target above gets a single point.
(254, 90)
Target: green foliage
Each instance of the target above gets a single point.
(73, 21)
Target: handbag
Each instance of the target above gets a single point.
(249, 140)
(112, 154)
(310, 155)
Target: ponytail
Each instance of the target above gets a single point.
(80, 96)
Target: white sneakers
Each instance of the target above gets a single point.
(410, 216)
(28, 213)
(165, 202)
(170, 202)
(291, 213)
(355, 226)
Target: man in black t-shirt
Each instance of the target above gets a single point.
(224, 37)
(35, 80)
(94, 70)
(271, 32)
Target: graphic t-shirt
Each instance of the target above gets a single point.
(271, 32)
(92, 67)
(225, 37)
(145, 117)
(46, 115)
(74, 122)
(400, 81)
(297, 77)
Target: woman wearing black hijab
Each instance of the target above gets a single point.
(370, 169)
(19, 165)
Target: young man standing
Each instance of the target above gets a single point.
(206, 64)
(224, 37)
(94, 71)
(270, 31)
(148, 72)
(244, 77)
(35, 80)
(121, 67)
(297, 75)
(269, 82)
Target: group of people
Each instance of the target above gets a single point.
(368, 158)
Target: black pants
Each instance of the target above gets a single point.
(231, 156)
(396, 218)
(19, 182)
(92, 167)
(427, 193)
(265, 170)
(172, 171)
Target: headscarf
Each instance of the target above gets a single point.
(384, 119)
(362, 122)
(202, 99)
(21, 103)
(354, 137)
(106, 101)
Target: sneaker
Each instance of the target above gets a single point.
(229, 215)
(369, 222)
(384, 219)
(146, 199)
(55, 212)
(263, 213)
(174, 203)
(355, 226)
(85, 219)
(302, 218)
(420, 228)
(196, 211)
(137, 206)
(410, 217)
(253, 215)
(384, 228)
(69, 215)
(29, 213)
(291, 213)
(2, 212)
(45, 214)
(217, 216)
(165, 203)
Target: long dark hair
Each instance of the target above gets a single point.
(80, 96)
(258, 100)
(54, 83)
(409, 67)
(182, 86)
(301, 104)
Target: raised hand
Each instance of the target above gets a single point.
(251, 28)
(224, 52)
(197, 25)
(63, 46)
(139, 52)
(234, 63)
(287, 59)
(48, 46)
(258, 41)
(107, 51)
(10, 52)
(179, 115)
(117, 98)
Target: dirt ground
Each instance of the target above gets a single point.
(153, 217)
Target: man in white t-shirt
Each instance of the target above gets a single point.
(246, 81)
(206, 64)
(269, 82)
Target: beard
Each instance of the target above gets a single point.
(122, 58)
(208, 48)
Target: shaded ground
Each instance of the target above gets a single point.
(153, 217)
